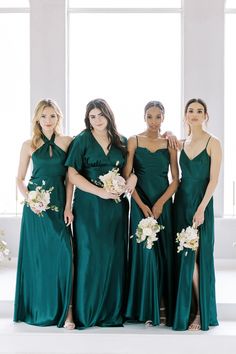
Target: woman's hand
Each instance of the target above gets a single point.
(173, 142)
(198, 218)
(146, 210)
(68, 216)
(172, 139)
(107, 195)
(131, 183)
(157, 209)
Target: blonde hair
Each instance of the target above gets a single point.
(36, 128)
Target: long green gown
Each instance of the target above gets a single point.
(195, 178)
(150, 270)
(101, 237)
(44, 273)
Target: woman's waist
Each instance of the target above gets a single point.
(93, 174)
(152, 183)
(46, 182)
(46, 177)
(193, 179)
(193, 183)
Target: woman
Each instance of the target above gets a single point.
(150, 297)
(100, 222)
(44, 274)
(200, 161)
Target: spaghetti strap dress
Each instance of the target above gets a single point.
(151, 270)
(195, 178)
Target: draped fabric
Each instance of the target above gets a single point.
(150, 270)
(100, 232)
(44, 273)
(195, 178)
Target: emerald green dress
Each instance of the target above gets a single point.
(150, 270)
(101, 237)
(195, 178)
(44, 273)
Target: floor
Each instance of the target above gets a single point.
(131, 339)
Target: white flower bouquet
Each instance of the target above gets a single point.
(188, 238)
(4, 251)
(38, 200)
(113, 182)
(147, 230)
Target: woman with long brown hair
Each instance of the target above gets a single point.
(200, 161)
(100, 223)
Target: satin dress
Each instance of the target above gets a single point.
(195, 178)
(151, 270)
(101, 236)
(44, 272)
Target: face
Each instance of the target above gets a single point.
(48, 119)
(195, 114)
(97, 120)
(154, 118)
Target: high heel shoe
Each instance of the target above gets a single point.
(196, 324)
(69, 324)
(163, 315)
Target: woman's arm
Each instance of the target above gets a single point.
(131, 178)
(82, 183)
(25, 156)
(158, 206)
(215, 152)
(68, 216)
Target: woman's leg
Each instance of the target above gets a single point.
(196, 323)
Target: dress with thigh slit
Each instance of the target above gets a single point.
(195, 178)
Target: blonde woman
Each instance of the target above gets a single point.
(44, 274)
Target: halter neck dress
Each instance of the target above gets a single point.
(44, 272)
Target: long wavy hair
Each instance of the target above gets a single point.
(36, 128)
(114, 136)
(202, 103)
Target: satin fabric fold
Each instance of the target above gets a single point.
(101, 235)
(44, 273)
(195, 178)
(151, 270)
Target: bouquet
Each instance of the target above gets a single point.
(39, 200)
(4, 251)
(147, 230)
(113, 182)
(188, 238)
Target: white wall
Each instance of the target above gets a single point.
(48, 44)
(203, 63)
